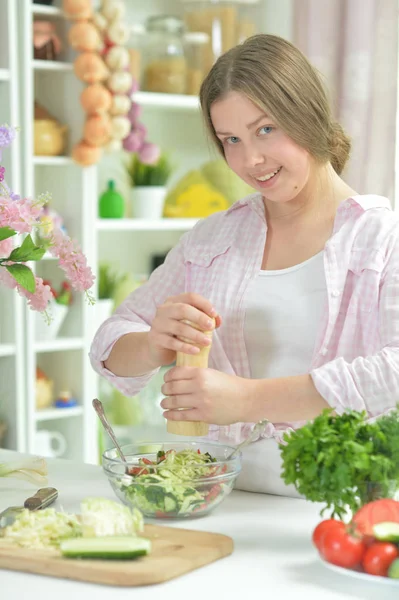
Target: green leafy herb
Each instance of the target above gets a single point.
(343, 461)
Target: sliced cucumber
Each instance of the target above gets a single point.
(170, 503)
(108, 547)
(386, 532)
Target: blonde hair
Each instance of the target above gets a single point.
(279, 79)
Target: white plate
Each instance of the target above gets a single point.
(361, 575)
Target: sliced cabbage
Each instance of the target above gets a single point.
(101, 517)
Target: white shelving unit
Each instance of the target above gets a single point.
(173, 122)
(74, 192)
(12, 364)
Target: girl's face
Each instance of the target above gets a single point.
(258, 151)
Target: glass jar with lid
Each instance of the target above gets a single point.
(165, 68)
(227, 23)
(135, 49)
(195, 46)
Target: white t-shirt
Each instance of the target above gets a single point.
(283, 313)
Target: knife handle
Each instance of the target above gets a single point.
(41, 499)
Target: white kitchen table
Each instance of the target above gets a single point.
(273, 555)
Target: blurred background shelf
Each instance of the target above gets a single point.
(53, 161)
(51, 65)
(167, 101)
(41, 10)
(53, 414)
(145, 224)
(7, 350)
(59, 345)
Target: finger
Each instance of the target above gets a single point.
(178, 373)
(183, 415)
(175, 388)
(170, 343)
(197, 320)
(175, 402)
(197, 301)
(186, 332)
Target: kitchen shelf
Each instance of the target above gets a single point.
(59, 345)
(58, 413)
(13, 346)
(4, 74)
(53, 161)
(46, 11)
(7, 350)
(167, 101)
(51, 65)
(145, 224)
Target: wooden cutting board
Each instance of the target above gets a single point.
(174, 552)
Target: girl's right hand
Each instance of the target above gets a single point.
(168, 326)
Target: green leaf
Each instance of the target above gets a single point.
(23, 276)
(6, 232)
(27, 251)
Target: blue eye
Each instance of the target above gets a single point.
(232, 140)
(267, 128)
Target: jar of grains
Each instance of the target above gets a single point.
(165, 68)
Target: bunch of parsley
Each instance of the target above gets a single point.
(343, 461)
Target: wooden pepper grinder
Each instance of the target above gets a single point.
(200, 360)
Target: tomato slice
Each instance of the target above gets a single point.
(379, 511)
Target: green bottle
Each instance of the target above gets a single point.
(111, 204)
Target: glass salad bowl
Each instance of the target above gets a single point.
(172, 479)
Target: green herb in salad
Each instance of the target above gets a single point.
(172, 486)
(343, 460)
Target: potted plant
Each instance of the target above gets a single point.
(148, 177)
(108, 280)
(58, 307)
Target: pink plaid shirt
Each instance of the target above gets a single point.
(355, 363)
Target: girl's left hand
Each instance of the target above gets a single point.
(211, 396)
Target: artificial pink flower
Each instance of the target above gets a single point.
(6, 279)
(6, 247)
(20, 215)
(71, 260)
(2, 171)
(40, 299)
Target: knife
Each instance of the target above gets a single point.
(43, 497)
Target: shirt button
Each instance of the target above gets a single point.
(336, 293)
(323, 351)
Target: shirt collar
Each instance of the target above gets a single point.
(365, 201)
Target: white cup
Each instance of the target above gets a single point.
(49, 443)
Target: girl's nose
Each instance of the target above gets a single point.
(253, 157)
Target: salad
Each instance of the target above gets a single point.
(175, 483)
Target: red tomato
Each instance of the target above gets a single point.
(342, 549)
(379, 511)
(322, 528)
(378, 558)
